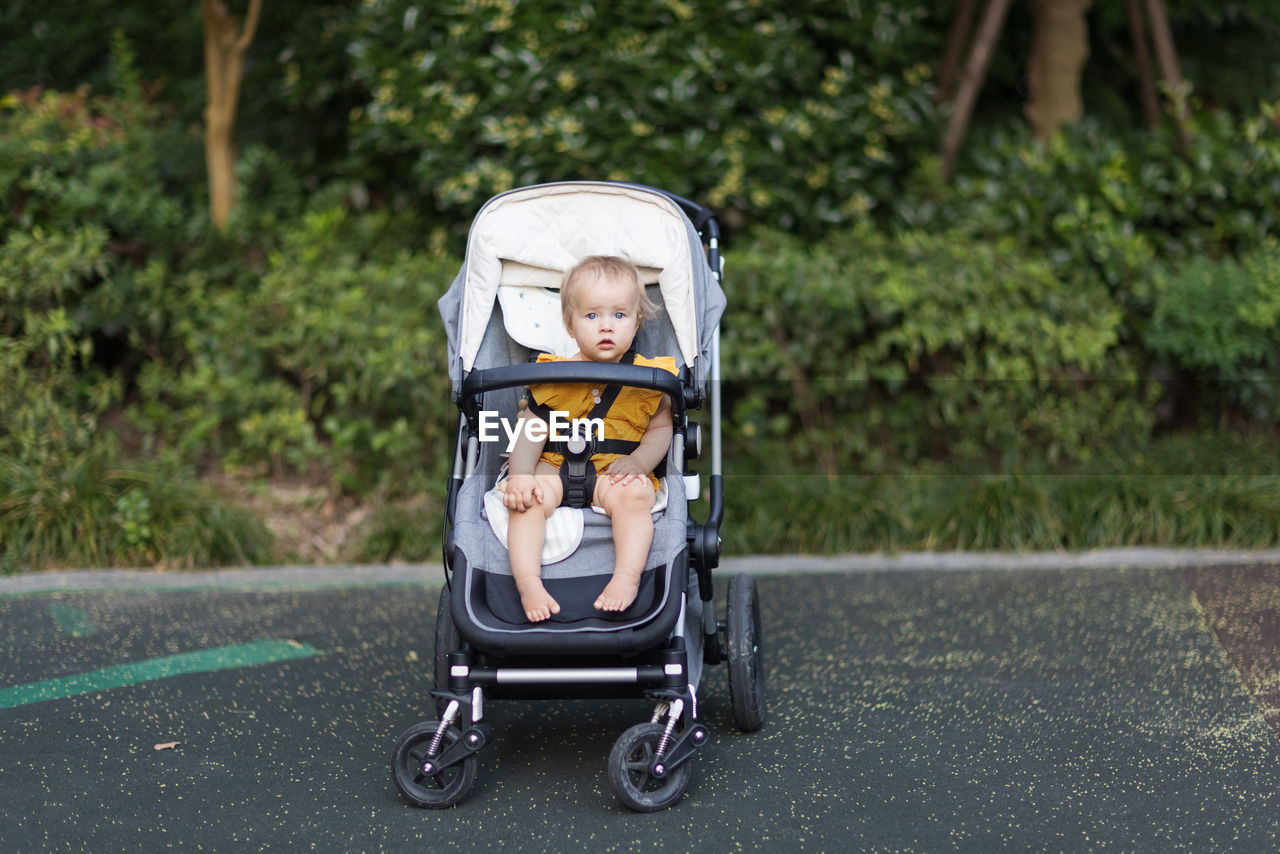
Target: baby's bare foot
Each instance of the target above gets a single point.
(537, 602)
(618, 594)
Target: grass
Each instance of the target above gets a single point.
(999, 513)
(1205, 490)
(409, 531)
(88, 511)
(1202, 491)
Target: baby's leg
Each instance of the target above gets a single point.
(526, 534)
(628, 505)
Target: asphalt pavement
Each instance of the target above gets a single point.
(1047, 703)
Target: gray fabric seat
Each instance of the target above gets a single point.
(585, 572)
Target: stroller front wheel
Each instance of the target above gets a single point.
(420, 782)
(630, 773)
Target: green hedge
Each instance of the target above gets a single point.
(804, 115)
(800, 114)
(85, 199)
(1218, 324)
(332, 356)
(1011, 321)
(91, 225)
(868, 352)
(296, 92)
(1097, 202)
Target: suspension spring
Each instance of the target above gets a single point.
(677, 709)
(450, 712)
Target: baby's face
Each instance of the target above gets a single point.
(604, 319)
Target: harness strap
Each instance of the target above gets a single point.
(611, 391)
(577, 473)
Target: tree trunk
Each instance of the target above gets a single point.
(956, 41)
(224, 51)
(1142, 58)
(1059, 49)
(220, 157)
(971, 81)
(1167, 55)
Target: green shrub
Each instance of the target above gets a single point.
(1105, 204)
(67, 159)
(296, 91)
(893, 350)
(331, 357)
(801, 115)
(92, 227)
(51, 397)
(1219, 321)
(86, 210)
(1003, 327)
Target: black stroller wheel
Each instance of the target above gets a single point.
(745, 654)
(631, 778)
(433, 791)
(447, 641)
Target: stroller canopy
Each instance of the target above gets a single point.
(523, 241)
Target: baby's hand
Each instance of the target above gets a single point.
(521, 492)
(625, 469)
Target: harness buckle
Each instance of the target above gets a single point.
(577, 472)
(577, 444)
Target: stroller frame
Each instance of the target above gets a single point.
(434, 762)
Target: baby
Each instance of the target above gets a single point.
(604, 304)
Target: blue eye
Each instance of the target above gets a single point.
(620, 315)
(591, 315)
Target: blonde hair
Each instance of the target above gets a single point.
(596, 267)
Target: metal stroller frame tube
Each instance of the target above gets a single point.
(456, 474)
(702, 546)
(716, 261)
(716, 514)
(473, 455)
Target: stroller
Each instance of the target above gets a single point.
(501, 311)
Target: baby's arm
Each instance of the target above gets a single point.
(523, 491)
(653, 447)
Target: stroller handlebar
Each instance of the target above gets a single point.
(512, 376)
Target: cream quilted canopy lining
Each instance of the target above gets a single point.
(522, 243)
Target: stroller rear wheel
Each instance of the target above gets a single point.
(630, 762)
(447, 641)
(746, 654)
(434, 789)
